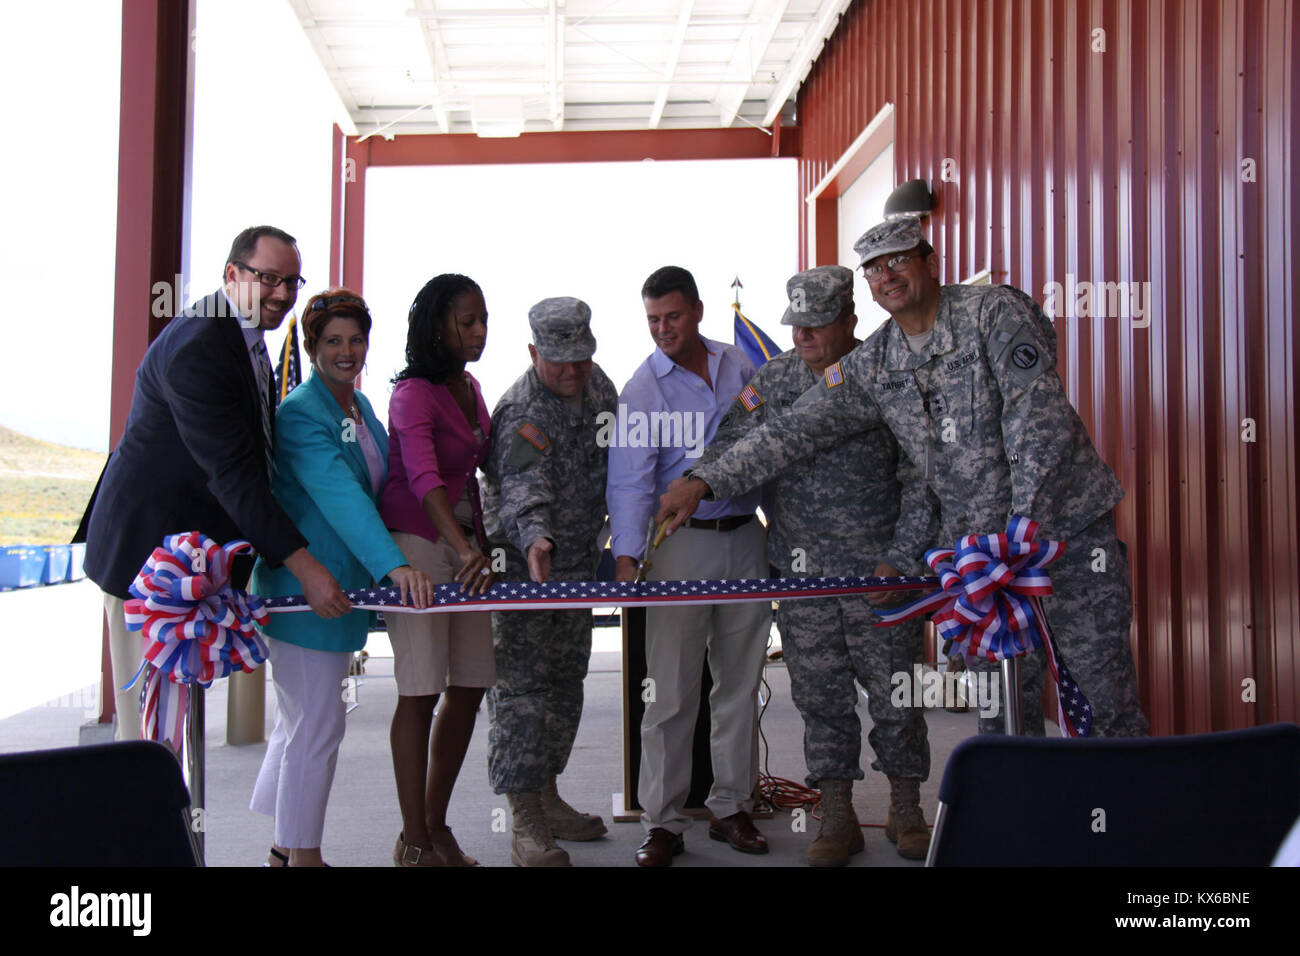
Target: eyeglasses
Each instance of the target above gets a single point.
(895, 264)
(270, 279)
(330, 301)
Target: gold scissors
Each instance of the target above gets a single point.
(658, 539)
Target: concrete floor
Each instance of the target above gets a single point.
(363, 819)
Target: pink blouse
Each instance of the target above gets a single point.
(431, 445)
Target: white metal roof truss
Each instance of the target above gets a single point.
(499, 67)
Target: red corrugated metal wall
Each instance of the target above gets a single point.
(1146, 142)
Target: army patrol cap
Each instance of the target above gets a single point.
(897, 235)
(818, 296)
(562, 330)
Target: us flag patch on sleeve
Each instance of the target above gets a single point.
(834, 376)
(750, 398)
(534, 436)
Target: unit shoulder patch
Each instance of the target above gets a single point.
(1023, 361)
(1025, 356)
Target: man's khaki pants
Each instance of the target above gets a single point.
(125, 650)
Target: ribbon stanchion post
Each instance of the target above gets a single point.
(1013, 716)
(989, 605)
(196, 762)
(196, 628)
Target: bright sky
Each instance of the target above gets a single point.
(59, 64)
(524, 233)
(594, 231)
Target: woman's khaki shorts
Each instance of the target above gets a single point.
(435, 651)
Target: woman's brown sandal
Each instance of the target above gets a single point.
(445, 845)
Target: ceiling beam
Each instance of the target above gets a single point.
(828, 15)
(751, 48)
(571, 147)
(555, 62)
(436, 50)
(346, 104)
(674, 52)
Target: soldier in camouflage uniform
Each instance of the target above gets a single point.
(545, 502)
(965, 378)
(837, 513)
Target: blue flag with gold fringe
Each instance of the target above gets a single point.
(753, 340)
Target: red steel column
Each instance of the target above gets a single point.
(336, 208)
(151, 192)
(354, 212)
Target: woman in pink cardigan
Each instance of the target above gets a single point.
(439, 430)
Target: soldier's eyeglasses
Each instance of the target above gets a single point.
(895, 264)
(270, 279)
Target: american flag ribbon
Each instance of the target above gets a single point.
(989, 605)
(195, 626)
(1073, 712)
(750, 398)
(565, 595)
(834, 375)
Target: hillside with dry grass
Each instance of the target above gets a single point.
(43, 488)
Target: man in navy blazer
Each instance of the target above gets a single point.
(195, 453)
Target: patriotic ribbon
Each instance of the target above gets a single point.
(563, 595)
(989, 605)
(196, 627)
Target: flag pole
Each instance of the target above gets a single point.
(288, 354)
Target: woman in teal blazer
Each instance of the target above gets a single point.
(331, 459)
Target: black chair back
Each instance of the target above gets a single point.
(1221, 799)
(118, 804)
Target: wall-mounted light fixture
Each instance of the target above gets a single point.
(912, 200)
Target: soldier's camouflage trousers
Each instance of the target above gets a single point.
(535, 706)
(828, 642)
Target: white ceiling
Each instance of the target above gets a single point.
(452, 66)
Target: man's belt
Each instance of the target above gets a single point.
(729, 523)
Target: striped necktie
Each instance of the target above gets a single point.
(264, 392)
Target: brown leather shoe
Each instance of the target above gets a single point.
(660, 847)
(738, 830)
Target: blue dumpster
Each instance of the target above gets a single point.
(76, 557)
(21, 566)
(57, 559)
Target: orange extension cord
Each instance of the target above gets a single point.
(780, 793)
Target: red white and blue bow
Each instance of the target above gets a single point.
(989, 605)
(196, 626)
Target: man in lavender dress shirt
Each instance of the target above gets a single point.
(668, 412)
